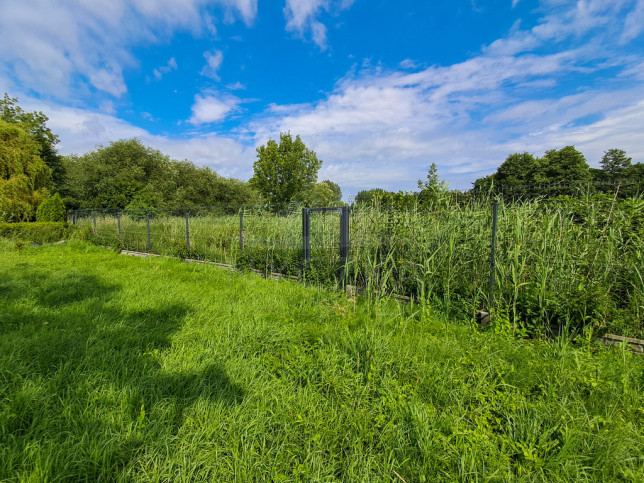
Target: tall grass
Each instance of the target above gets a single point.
(562, 264)
(124, 369)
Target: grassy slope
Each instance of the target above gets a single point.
(118, 368)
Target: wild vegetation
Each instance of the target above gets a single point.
(38, 232)
(106, 374)
(564, 264)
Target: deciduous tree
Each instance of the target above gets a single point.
(615, 163)
(35, 123)
(566, 165)
(128, 174)
(24, 177)
(321, 194)
(284, 171)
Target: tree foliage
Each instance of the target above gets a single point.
(284, 171)
(432, 190)
(35, 123)
(337, 191)
(52, 209)
(325, 193)
(24, 177)
(615, 163)
(566, 165)
(521, 174)
(369, 197)
(128, 174)
(519, 169)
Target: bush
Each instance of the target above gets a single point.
(35, 232)
(52, 209)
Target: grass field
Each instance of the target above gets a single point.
(123, 369)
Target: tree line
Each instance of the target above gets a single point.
(524, 175)
(560, 172)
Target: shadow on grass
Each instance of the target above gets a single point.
(82, 370)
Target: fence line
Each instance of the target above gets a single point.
(533, 262)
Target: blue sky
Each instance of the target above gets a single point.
(379, 89)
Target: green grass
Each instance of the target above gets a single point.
(118, 369)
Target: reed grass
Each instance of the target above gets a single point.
(563, 265)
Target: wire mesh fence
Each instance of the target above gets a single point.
(556, 263)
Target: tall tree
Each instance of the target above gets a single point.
(324, 193)
(284, 171)
(516, 176)
(35, 123)
(615, 163)
(112, 176)
(368, 197)
(24, 177)
(634, 178)
(337, 191)
(566, 165)
(517, 171)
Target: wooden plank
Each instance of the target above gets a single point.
(635, 345)
(619, 338)
(138, 254)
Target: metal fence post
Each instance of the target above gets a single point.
(241, 229)
(118, 223)
(187, 230)
(495, 211)
(344, 242)
(306, 235)
(147, 218)
(94, 221)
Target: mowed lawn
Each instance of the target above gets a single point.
(123, 369)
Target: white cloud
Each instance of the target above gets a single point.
(210, 108)
(636, 71)
(68, 48)
(565, 21)
(213, 62)
(83, 130)
(159, 72)
(110, 81)
(634, 24)
(299, 12)
(301, 17)
(246, 8)
(236, 86)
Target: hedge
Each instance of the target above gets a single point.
(45, 232)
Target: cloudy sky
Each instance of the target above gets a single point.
(379, 89)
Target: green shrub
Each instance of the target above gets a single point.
(35, 232)
(52, 209)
